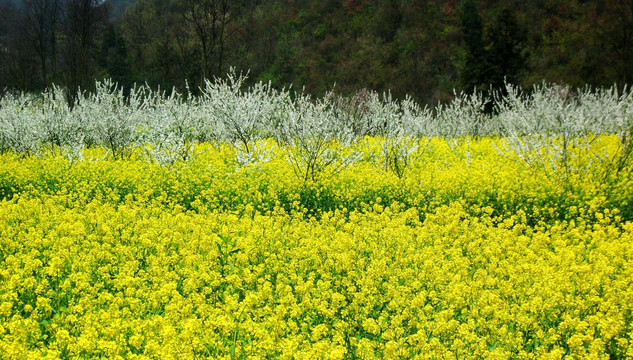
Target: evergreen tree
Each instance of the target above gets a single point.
(475, 69)
(505, 55)
(114, 59)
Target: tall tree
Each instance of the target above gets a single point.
(506, 58)
(475, 69)
(210, 21)
(614, 30)
(113, 58)
(18, 65)
(41, 22)
(85, 20)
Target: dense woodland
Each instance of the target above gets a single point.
(423, 48)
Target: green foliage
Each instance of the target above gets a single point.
(114, 58)
(475, 71)
(506, 50)
(424, 49)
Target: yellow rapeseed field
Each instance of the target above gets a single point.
(470, 254)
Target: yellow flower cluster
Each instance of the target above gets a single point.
(472, 171)
(459, 259)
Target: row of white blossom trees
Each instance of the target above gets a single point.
(549, 126)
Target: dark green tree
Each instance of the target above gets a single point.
(505, 57)
(613, 26)
(85, 21)
(475, 68)
(113, 58)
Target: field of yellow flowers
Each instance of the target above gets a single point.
(470, 253)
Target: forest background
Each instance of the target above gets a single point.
(423, 48)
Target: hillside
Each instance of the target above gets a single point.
(423, 48)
